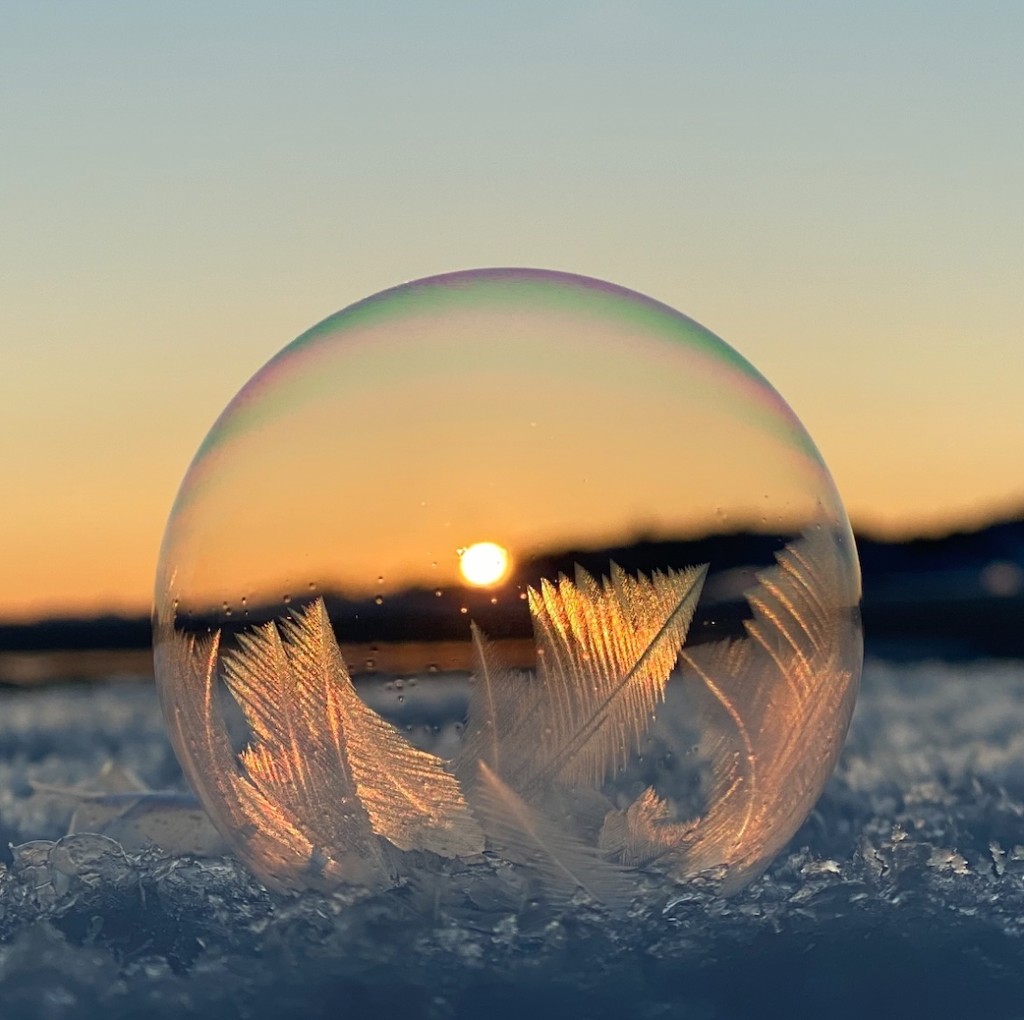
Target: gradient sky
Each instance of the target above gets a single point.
(834, 189)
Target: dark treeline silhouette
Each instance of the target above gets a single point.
(102, 633)
(955, 596)
(502, 612)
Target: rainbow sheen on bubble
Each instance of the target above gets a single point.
(513, 474)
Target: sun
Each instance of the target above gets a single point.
(484, 563)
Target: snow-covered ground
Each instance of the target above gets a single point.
(902, 896)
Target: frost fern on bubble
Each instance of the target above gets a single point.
(327, 792)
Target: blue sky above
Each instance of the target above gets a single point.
(832, 188)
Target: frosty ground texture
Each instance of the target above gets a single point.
(902, 896)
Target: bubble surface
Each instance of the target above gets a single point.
(603, 545)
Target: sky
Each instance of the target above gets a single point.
(834, 189)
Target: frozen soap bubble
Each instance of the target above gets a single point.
(512, 571)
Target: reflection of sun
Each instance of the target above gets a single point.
(484, 563)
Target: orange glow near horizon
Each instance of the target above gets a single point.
(109, 570)
(169, 232)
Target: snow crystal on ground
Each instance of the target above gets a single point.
(902, 895)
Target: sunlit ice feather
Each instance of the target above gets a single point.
(255, 828)
(605, 651)
(775, 706)
(411, 799)
(292, 758)
(260, 678)
(323, 776)
(293, 761)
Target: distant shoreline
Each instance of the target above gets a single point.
(958, 596)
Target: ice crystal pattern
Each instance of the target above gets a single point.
(327, 792)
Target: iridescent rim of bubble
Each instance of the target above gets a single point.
(458, 291)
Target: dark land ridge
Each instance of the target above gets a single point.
(959, 596)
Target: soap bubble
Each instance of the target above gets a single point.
(511, 571)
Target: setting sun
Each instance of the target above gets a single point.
(484, 563)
